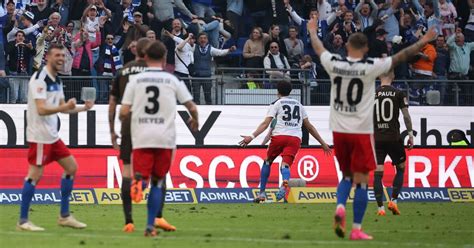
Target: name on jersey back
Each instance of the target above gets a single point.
(345, 72)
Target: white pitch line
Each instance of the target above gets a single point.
(313, 230)
(240, 239)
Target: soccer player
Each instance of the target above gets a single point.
(286, 135)
(351, 116)
(151, 98)
(388, 101)
(45, 100)
(118, 87)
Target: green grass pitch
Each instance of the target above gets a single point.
(245, 225)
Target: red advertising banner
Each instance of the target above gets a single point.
(239, 167)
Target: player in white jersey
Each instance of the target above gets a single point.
(290, 117)
(151, 98)
(45, 100)
(351, 116)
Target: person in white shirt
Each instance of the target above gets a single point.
(351, 116)
(151, 98)
(183, 57)
(45, 100)
(286, 135)
(276, 60)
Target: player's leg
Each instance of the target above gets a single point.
(34, 175)
(160, 166)
(378, 176)
(398, 156)
(67, 181)
(290, 149)
(127, 172)
(342, 148)
(362, 162)
(274, 149)
(160, 221)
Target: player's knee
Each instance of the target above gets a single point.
(71, 170)
(379, 168)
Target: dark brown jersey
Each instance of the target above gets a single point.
(121, 79)
(388, 103)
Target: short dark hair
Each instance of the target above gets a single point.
(284, 88)
(202, 34)
(156, 50)
(142, 46)
(358, 40)
(55, 45)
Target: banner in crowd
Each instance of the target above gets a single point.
(234, 167)
(223, 125)
(193, 196)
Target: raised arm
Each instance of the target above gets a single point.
(315, 41)
(375, 10)
(407, 53)
(294, 16)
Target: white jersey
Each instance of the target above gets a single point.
(152, 95)
(43, 129)
(352, 91)
(289, 114)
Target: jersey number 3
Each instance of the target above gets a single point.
(295, 114)
(153, 99)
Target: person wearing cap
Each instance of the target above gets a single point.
(378, 46)
(63, 10)
(42, 46)
(137, 30)
(27, 21)
(19, 54)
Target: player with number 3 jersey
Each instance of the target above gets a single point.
(290, 117)
(351, 116)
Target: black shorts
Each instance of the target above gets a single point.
(394, 149)
(126, 144)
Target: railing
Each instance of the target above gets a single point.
(254, 86)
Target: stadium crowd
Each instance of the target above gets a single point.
(101, 36)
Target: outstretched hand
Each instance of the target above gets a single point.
(430, 35)
(245, 141)
(410, 142)
(327, 150)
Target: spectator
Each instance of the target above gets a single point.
(441, 65)
(276, 14)
(254, 48)
(366, 11)
(137, 30)
(178, 31)
(422, 67)
(184, 57)
(469, 28)
(459, 51)
(334, 42)
(42, 47)
(313, 14)
(275, 36)
(203, 54)
(150, 34)
(63, 10)
(378, 46)
(82, 64)
(29, 29)
(19, 54)
(41, 11)
(234, 14)
(212, 29)
(306, 63)
(110, 60)
(70, 29)
(130, 53)
(337, 15)
(347, 26)
(387, 14)
(202, 8)
(4, 18)
(276, 60)
(165, 14)
(324, 9)
(294, 47)
(429, 14)
(7, 20)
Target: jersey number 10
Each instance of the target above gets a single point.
(381, 110)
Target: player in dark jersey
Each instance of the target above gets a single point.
(118, 87)
(388, 101)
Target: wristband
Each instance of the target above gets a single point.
(252, 136)
(410, 133)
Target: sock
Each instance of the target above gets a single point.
(360, 203)
(163, 196)
(155, 201)
(343, 191)
(264, 174)
(378, 188)
(66, 188)
(26, 196)
(127, 199)
(285, 172)
(397, 182)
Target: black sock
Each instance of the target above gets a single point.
(398, 182)
(378, 188)
(160, 213)
(127, 199)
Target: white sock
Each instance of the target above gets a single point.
(356, 226)
(340, 206)
(394, 201)
(382, 208)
